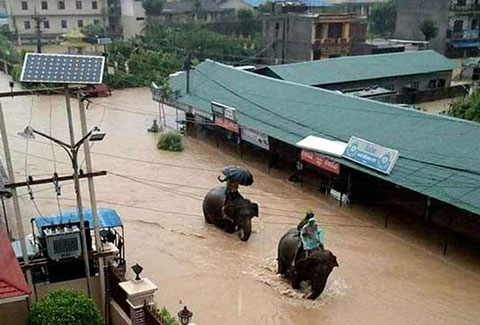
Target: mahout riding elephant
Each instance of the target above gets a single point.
(234, 215)
(315, 268)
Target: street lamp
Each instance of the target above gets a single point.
(72, 151)
(184, 316)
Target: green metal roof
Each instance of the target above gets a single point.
(439, 155)
(362, 67)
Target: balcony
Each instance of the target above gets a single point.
(467, 8)
(466, 34)
(332, 45)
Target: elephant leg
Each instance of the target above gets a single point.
(296, 282)
(282, 269)
(229, 227)
(317, 288)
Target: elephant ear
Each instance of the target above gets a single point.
(306, 264)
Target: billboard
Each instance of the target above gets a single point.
(255, 137)
(371, 155)
(320, 161)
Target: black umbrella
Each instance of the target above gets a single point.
(241, 175)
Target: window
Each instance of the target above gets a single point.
(458, 26)
(46, 24)
(415, 85)
(474, 24)
(61, 5)
(441, 83)
(140, 18)
(44, 5)
(26, 23)
(94, 5)
(432, 83)
(389, 87)
(80, 23)
(24, 5)
(461, 2)
(64, 24)
(78, 4)
(96, 22)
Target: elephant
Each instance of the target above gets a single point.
(315, 268)
(238, 214)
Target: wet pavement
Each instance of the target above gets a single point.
(386, 276)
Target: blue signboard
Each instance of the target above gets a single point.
(371, 155)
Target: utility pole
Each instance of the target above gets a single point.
(76, 181)
(16, 204)
(93, 203)
(187, 65)
(38, 20)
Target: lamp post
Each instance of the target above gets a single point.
(184, 316)
(72, 151)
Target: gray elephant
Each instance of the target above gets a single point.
(238, 214)
(315, 268)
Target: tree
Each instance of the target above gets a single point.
(467, 108)
(429, 29)
(153, 7)
(93, 30)
(64, 307)
(382, 18)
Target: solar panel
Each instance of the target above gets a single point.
(61, 68)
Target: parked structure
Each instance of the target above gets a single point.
(296, 35)
(399, 72)
(432, 178)
(54, 17)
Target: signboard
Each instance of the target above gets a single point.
(371, 155)
(320, 161)
(255, 137)
(104, 41)
(224, 110)
(226, 123)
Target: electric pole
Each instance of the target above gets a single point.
(38, 20)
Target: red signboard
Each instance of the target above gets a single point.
(226, 123)
(320, 161)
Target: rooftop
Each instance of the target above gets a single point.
(439, 155)
(362, 67)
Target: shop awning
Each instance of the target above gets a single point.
(12, 282)
(462, 45)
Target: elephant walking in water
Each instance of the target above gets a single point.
(315, 268)
(235, 215)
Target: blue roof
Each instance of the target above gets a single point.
(108, 218)
(309, 3)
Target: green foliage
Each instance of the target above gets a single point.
(64, 307)
(163, 315)
(153, 7)
(8, 52)
(93, 30)
(429, 29)
(265, 7)
(382, 18)
(170, 141)
(467, 108)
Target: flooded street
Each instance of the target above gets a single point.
(386, 276)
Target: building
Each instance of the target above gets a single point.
(458, 23)
(54, 17)
(435, 177)
(380, 46)
(463, 28)
(133, 15)
(292, 34)
(399, 72)
(359, 7)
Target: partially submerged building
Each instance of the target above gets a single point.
(433, 159)
(400, 72)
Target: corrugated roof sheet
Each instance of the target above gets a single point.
(439, 156)
(362, 67)
(12, 281)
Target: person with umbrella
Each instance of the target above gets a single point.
(235, 176)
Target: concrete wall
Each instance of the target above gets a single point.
(117, 315)
(412, 13)
(397, 82)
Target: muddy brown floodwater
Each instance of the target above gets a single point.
(386, 276)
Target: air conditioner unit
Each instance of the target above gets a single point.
(63, 242)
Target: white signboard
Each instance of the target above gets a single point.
(255, 137)
(104, 41)
(229, 113)
(334, 148)
(371, 155)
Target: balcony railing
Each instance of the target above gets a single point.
(465, 8)
(332, 45)
(463, 34)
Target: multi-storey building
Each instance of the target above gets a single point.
(54, 17)
(463, 28)
(293, 34)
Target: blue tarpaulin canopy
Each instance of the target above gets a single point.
(108, 218)
(459, 45)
